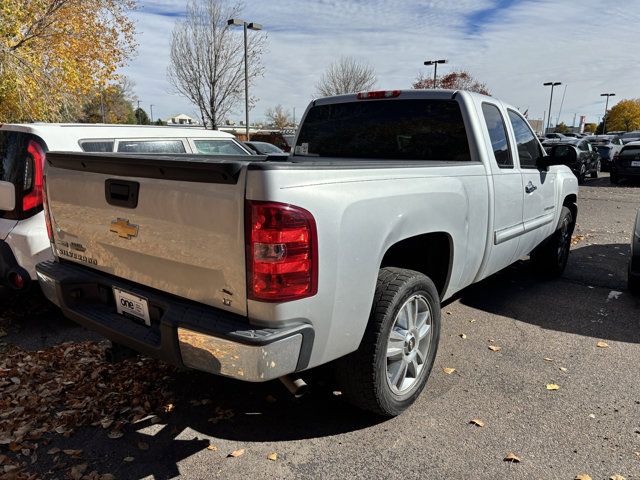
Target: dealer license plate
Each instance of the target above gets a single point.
(133, 305)
(635, 164)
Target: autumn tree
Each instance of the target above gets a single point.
(346, 75)
(207, 62)
(110, 105)
(589, 127)
(54, 52)
(278, 116)
(625, 115)
(562, 128)
(456, 80)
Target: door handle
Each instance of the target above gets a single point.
(530, 188)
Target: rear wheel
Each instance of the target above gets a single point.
(597, 170)
(391, 367)
(550, 258)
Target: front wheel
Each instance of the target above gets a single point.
(597, 170)
(550, 258)
(582, 173)
(391, 367)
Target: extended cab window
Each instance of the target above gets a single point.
(528, 147)
(385, 129)
(498, 135)
(151, 146)
(219, 147)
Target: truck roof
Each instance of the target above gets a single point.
(60, 136)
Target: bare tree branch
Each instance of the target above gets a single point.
(278, 116)
(207, 62)
(346, 75)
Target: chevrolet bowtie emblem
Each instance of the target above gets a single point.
(124, 229)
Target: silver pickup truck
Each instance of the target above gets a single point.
(258, 268)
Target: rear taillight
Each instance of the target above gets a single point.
(282, 252)
(378, 94)
(47, 214)
(33, 177)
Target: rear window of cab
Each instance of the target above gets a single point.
(411, 129)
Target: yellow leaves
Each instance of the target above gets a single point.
(477, 422)
(582, 476)
(56, 52)
(553, 386)
(448, 370)
(563, 369)
(212, 448)
(617, 476)
(625, 115)
(602, 345)
(237, 453)
(494, 348)
(273, 456)
(512, 457)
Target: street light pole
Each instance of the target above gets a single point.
(552, 84)
(435, 68)
(245, 26)
(151, 110)
(606, 106)
(138, 113)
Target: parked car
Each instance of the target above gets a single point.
(23, 236)
(630, 137)
(626, 164)
(274, 137)
(264, 148)
(572, 135)
(634, 263)
(586, 160)
(392, 202)
(555, 136)
(607, 146)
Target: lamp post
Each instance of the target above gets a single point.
(138, 113)
(606, 105)
(246, 26)
(151, 110)
(551, 84)
(435, 68)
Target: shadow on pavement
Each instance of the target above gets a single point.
(590, 299)
(605, 182)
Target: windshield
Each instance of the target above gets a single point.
(631, 135)
(265, 147)
(385, 129)
(630, 152)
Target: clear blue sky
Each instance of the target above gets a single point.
(511, 45)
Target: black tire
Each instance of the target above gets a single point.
(582, 174)
(634, 284)
(594, 173)
(550, 259)
(613, 178)
(362, 375)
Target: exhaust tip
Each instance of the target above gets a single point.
(295, 385)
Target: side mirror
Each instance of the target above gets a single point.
(558, 155)
(7, 196)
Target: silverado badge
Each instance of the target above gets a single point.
(124, 229)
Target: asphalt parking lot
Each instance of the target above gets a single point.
(547, 333)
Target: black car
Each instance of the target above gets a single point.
(607, 146)
(634, 263)
(626, 164)
(585, 161)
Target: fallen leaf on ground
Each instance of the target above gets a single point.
(72, 453)
(115, 434)
(143, 446)
(53, 451)
(168, 408)
(617, 476)
(463, 336)
(128, 459)
(477, 422)
(512, 457)
(552, 386)
(547, 359)
(562, 369)
(582, 476)
(236, 453)
(495, 348)
(273, 456)
(602, 345)
(448, 370)
(270, 399)
(107, 476)
(472, 320)
(448, 312)
(213, 448)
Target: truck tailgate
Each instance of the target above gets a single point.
(171, 223)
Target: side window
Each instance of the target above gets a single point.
(498, 135)
(528, 146)
(218, 147)
(151, 146)
(97, 146)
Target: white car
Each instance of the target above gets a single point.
(23, 235)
